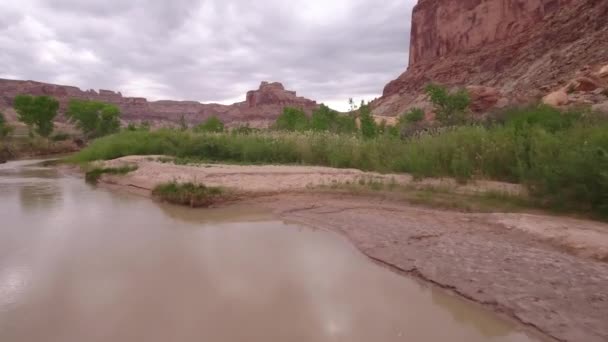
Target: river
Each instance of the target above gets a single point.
(79, 263)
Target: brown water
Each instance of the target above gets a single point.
(83, 264)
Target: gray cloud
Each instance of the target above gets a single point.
(208, 50)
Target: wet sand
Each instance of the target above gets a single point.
(548, 273)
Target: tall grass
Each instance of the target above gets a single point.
(565, 163)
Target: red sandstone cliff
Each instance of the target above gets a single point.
(523, 48)
(263, 105)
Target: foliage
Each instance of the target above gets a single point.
(94, 118)
(292, 120)
(5, 128)
(563, 168)
(412, 116)
(37, 112)
(325, 119)
(211, 125)
(193, 195)
(369, 128)
(450, 108)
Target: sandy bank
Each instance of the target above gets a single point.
(547, 272)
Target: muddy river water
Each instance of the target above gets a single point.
(84, 264)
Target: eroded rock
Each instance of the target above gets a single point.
(556, 99)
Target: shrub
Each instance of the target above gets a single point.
(193, 195)
(450, 108)
(211, 125)
(412, 116)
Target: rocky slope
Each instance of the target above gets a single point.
(261, 107)
(511, 50)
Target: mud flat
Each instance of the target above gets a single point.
(549, 273)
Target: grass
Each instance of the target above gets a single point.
(93, 176)
(190, 194)
(562, 158)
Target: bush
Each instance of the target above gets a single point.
(450, 108)
(211, 125)
(413, 116)
(193, 195)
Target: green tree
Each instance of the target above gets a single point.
(323, 119)
(212, 125)
(37, 112)
(369, 129)
(94, 118)
(292, 120)
(450, 108)
(346, 124)
(5, 128)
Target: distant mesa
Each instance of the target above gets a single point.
(262, 106)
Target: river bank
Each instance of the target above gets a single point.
(547, 272)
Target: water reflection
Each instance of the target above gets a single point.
(98, 266)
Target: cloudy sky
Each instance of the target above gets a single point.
(208, 50)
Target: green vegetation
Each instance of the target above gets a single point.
(413, 116)
(292, 120)
(193, 195)
(565, 167)
(37, 112)
(450, 108)
(211, 125)
(95, 119)
(92, 176)
(369, 129)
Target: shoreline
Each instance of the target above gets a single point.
(546, 273)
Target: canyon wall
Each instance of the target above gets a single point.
(262, 106)
(522, 48)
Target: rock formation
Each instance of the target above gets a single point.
(521, 48)
(262, 106)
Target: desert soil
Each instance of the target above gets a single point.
(549, 273)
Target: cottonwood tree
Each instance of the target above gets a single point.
(37, 112)
(94, 118)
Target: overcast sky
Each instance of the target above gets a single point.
(208, 50)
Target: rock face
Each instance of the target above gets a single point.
(261, 107)
(523, 48)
